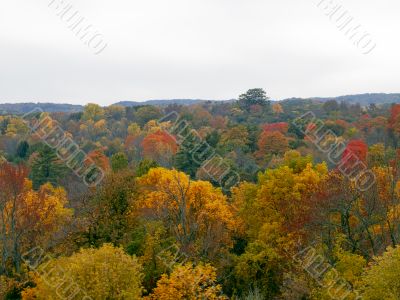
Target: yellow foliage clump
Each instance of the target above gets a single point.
(105, 273)
(195, 212)
(188, 282)
(381, 280)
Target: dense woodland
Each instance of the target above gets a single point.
(294, 225)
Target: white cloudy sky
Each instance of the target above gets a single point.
(208, 49)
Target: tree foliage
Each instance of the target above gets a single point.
(188, 282)
(104, 273)
(195, 212)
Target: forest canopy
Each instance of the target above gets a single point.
(247, 199)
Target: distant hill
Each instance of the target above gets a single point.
(161, 102)
(363, 99)
(22, 108)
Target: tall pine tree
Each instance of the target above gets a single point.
(192, 153)
(46, 168)
(22, 149)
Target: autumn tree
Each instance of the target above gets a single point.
(160, 147)
(146, 113)
(284, 193)
(393, 124)
(99, 158)
(381, 279)
(28, 218)
(134, 129)
(114, 112)
(12, 181)
(354, 155)
(281, 127)
(16, 127)
(376, 155)
(394, 120)
(200, 116)
(235, 138)
(272, 143)
(277, 108)
(368, 220)
(119, 161)
(93, 112)
(261, 268)
(273, 214)
(104, 273)
(188, 282)
(194, 212)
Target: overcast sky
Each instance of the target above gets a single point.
(206, 49)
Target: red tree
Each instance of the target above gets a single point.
(99, 158)
(394, 120)
(281, 127)
(356, 151)
(159, 146)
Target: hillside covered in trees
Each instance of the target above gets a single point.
(245, 199)
(22, 108)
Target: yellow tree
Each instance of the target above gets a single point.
(105, 273)
(274, 212)
(188, 282)
(235, 137)
(28, 218)
(341, 279)
(41, 214)
(93, 112)
(381, 279)
(195, 212)
(283, 195)
(277, 108)
(16, 127)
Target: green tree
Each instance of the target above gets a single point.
(330, 106)
(192, 153)
(253, 97)
(46, 167)
(109, 213)
(156, 250)
(144, 166)
(119, 161)
(22, 149)
(146, 113)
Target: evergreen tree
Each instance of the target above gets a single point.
(192, 153)
(213, 138)
(253, 97)
(22, 149)
(46, 168)
(144, 167)
(183, 160)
